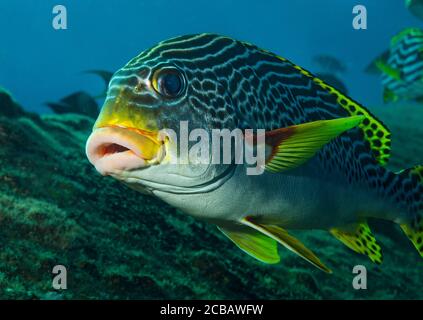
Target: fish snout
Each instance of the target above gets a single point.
(112, 150)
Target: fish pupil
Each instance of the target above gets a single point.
(171, 84)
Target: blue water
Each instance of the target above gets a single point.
(39, 63)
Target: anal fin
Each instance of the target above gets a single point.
(414, 232)
(360, 239)
(284, 238)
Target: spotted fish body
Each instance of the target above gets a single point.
(403, 78)
(233, 84)
(415, 7)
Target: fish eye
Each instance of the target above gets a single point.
(169, 82)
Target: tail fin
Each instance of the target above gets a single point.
(412, 181)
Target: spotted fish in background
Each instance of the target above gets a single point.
(325, 169)
(415, 7)
(402, 67)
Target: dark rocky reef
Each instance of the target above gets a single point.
(118, 244)
(9, 107)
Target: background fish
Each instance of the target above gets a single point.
(402, 67)
(326, 165)
(333, 80)
(105, 76)
(329, 63)
(79, 102)
(330, 71)
(415, 7)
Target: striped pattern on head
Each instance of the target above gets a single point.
(229, 83)
(205, 62)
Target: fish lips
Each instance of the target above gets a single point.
(113, 149)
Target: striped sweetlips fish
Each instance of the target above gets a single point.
(325, 153)
(401, 67)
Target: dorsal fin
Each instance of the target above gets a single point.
(295, 145)
(375, 132)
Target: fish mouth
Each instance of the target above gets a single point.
(114, 149)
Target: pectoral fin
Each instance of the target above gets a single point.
(359, 238)
(293, 146)
(389, 96)
(385, 68)
(373, 68)
(254, 243)
(288, 241)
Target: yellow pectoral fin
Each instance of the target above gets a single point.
(254, 243)
(360, 239)
(389, 96)
(293, 146)
(388, 70)
(288, 241)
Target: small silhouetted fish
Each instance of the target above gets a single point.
(79, 102)
(334, 81)
(105, 76)
(329, 63)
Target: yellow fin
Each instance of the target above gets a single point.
(293, 146)
(389, 96)
(375, 132)
(254, 243)
(415, 234)
(372, 68)
(360, 239)
(288, 241)
(388, 70)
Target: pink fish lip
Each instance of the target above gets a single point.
(112, 149)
